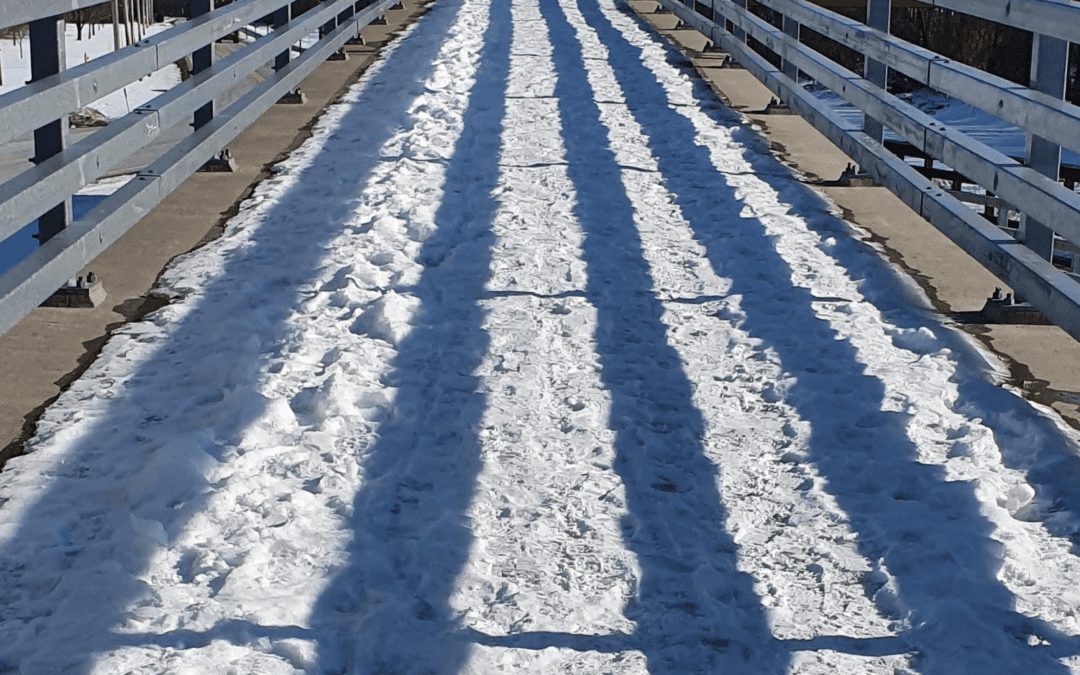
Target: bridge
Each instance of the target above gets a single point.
(548, 345)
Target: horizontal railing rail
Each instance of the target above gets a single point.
(16, 13)
(1030, 187)
(34, 192)
(27, 107)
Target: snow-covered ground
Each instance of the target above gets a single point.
(15, 61)
(993, 131)
(532, 359)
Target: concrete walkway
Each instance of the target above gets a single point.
(51, 347)
(1043, 361)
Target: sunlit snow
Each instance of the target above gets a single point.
(533, 359)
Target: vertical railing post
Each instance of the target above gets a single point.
(1048, 60)
(329, 26)
(739, 33)
(201, 59)
(791, 27)
(116, 24)
(877, 16)
(281, 18)
(47, 58)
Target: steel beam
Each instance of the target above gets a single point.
(1053, 18)
(1048, 59)
(48, 57)
(1030, 191)
(876, 72)
(16, 13)
(1051, 291)
(25, 286)
(201, 59)
(23, 197)
(23, 110)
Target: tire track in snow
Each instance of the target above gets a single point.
(916, 373)
(792, 536)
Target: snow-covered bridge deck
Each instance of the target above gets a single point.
(534, 360)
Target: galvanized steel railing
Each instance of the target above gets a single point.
(44, 190)
(1049, 122)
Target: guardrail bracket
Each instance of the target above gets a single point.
(222, 162)
(1006, 309)
(84, 293)
(776, 107)
(294, 97)
(853, 177)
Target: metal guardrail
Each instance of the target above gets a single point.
(1050, 122)
(44, 190)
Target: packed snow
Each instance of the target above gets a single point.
(533, 359)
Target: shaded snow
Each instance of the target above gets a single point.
(533, 359)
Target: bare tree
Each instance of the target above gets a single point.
(88, 17)
(996, 48)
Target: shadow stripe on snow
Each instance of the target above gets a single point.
(926, 530)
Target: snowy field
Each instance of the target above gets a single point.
(15, 60)
(533, 360)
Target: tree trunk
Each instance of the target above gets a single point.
(116, 24)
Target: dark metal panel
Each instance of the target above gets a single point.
(876, 72)
(48, 57)
(791, 28)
